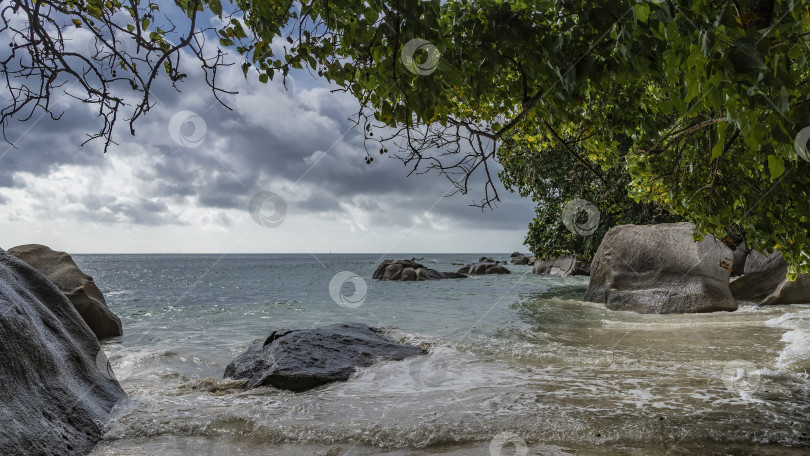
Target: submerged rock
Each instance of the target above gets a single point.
(484, 267)
(410, 271)
(298, 360)
(79, 287)
(660, 269)
(765, 282)
(57, 386)
(562, 266)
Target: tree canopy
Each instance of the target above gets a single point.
(696, 108)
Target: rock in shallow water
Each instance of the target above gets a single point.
(57, 388)
(765, 282)
(660, 269)
(562, 266)
(79, 287)
(298, 360)
(520, 259)
(410, 271)
(485, 266)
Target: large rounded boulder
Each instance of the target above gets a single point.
(661, 269)
(765, 282)
(57, 385)
(79, 287)
(298, 360)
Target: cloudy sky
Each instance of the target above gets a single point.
(184, 182)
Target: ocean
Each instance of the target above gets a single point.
(517, 364)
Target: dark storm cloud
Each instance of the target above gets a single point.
(302, 145)
(41, 143)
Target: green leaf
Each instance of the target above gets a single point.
(776, 166)
(642, 12)
(216, 7)
(719, 145)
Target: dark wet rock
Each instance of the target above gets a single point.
(739, 258)
(432, 274)
(410, 271)
(520, 259)
(515, 254)
(562, 266)
(79, 287)
(57, 386)
(484, 267)
(660, 269)
(765, 282)
(487, 260)
(298, 360)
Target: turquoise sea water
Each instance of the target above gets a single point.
(517, 364)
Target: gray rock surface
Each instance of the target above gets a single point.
(562, 266)
(739, 258)
(79, 287)
(484, 267)
(660, 269)
(298, 360)
(520, 259)
(765, 282)
(57, 386)
(410, 271)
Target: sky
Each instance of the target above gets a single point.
(185, 181)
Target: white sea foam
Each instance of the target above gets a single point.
(796, 354)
